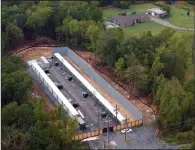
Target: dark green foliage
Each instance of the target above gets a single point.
(15, 87)
(8, 115)
(167, 8)
(12, 64)
(122, 4)
(47, 18)
(185, 137)
(24, 127)
(192, 2)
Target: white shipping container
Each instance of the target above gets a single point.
(45, 62)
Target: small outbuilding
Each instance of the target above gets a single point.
(157, 12)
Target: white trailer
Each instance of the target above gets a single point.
(96, 94)
(45, 62)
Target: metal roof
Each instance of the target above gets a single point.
(157, 10)
(44, 60)
(50, 83)
(102, 100)
(130, 18)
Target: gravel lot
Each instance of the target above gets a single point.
(141, 138)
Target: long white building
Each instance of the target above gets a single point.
(96, 94)
(53, 89)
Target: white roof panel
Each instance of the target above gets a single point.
(44, 60)
(90, 88)
(157, 10)
(55, 89)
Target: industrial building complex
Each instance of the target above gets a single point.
(79, 98)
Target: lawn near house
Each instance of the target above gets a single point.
(138, 29)
(140, 8)
(179, 18)
(178, 13)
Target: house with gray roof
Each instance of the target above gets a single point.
(125, 20)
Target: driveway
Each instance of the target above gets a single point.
(141, 138)
(165, 23)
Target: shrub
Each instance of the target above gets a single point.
(185, 137)
(166, 7)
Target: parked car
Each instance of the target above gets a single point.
(75, 105)
(56, 64)
(85, 94)
(69, 78)
(126, 130)
(103, 114)
(46, 71)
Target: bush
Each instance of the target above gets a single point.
(166, 7)
(193, 129)
(158, 4)
(185, 137)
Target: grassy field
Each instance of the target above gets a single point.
(138, 29)
(140, 8)
(178, 13)
(179, 18)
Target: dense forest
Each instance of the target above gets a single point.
(152, 64)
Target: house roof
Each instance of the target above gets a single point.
(157, 10)
(128, 18)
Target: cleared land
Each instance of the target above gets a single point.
(179, 18)
(140, 8)
(138, 29)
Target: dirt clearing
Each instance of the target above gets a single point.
(106, 73)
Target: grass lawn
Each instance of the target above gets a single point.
(179, 18)
(139, 8)
(178, 14)
(138, 29)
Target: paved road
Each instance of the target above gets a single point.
(165, 23)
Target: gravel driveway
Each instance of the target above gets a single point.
(165, 23)
(141, 138)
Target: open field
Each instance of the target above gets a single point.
(179, 18)
(138, 29)
(140, 8)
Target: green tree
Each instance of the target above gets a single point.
(174, 102)
(39, 18)
(14, 35)
(12, 64)
(136, 76)
(120, 67)
(8, 115)
(92, 33)
(14, 139)
(74, 31)
(107, 45)
(63, 31)
(122, 4)
(15, 87)
(25, 117)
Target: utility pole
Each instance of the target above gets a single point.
(126, 129)
(116, 111)
(104, 145)
(99, 121)
(108, 135)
